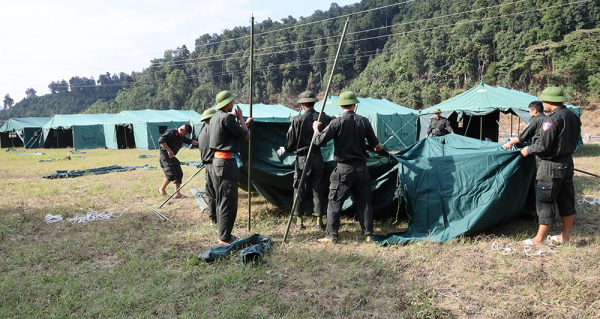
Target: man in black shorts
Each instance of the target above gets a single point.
(170, 144)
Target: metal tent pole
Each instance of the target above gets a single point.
(308, 156)
(250, 126)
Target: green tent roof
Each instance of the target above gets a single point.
(153, 116)
(366, 107)
(483, 99)
(18, 124)
(70, 120)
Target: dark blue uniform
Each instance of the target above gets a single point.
(298, 140)
(559, 137)
(351, 175)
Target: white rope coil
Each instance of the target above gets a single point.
(592, 200)
(527, 250)
(93, 216)
(53, 218)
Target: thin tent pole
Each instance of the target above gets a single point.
(310, 148)
(250, 126)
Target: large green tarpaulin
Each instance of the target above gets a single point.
(273, 176)
(142, 129)
(79, 131)
(24, 132)
(454, 185)
(394, 125)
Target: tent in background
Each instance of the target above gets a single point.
(454, 185)
(141, 129)
(395, 126)
(79, 131)
(474, 113)
(24, 132)
(260, 113)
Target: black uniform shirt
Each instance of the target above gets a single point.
(174, 141)
(439, 127)
(206, 154)
(349, 133)
(300, 134)
(225, 132)
(532, 131)
(559, 134)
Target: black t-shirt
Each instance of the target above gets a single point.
(225, 132)
(173, 140)
(206, 153)
(349, 133)
(300, 134)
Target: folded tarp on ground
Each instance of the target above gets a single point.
(96, 171)
(259, 246)
(197, 164)
(454, 185)
(60, 159)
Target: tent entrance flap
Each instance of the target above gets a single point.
(59, 138)
(125, 136)
(10, 139)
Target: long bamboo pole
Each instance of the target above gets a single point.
(308, 156)
(250, 126)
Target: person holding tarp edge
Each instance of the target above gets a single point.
(170, 144)
(532, 131)
(298, 140)
(226, 131)
(439, 125)
(207, 154)
(559, 137)
(351, 175)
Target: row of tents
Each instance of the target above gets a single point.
(473, 113)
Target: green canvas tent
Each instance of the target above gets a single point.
(260, 113)
(272, 176)
(79, 131)
(24, 132)
(394, 125)
(454, 185)
(474, 113)
(141, 129)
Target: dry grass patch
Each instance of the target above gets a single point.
(137, 266)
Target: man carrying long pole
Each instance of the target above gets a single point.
(307, 164)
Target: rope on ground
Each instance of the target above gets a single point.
(93, 216)
(592, 200)
(527, 250)
(50, 219)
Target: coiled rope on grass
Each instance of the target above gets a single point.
(592, 200)
(91, 216)
(549, 244)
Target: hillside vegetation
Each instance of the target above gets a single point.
(416, 54)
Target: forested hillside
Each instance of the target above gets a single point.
(416, 53)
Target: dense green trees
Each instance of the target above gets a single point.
(416, 54)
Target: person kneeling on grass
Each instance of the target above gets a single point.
(170, 144)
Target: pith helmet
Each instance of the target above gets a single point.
(223, 98)
(553, 94)
(347, 98)
(437, 110)
(307, 97)
(208, 114)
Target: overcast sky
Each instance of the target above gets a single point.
(51, 40)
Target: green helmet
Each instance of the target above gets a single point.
(208, 114)
(223, 98)
(437, 110)
(347, 98)
(307, 97)
(553, 94)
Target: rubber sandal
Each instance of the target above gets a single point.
(528, 242)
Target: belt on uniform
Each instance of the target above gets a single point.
(223, 154)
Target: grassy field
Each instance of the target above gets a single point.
(138, 266)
